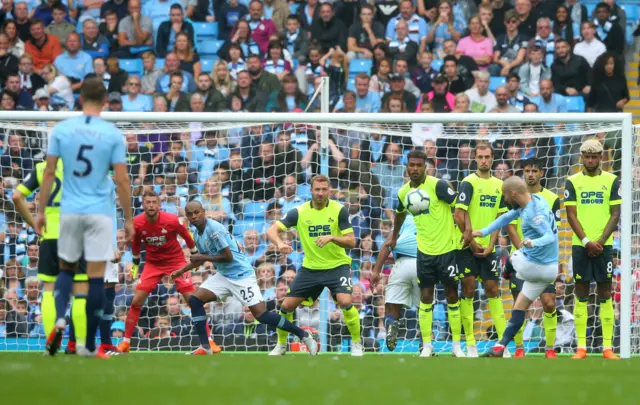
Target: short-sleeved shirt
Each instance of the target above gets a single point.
(212, 240)
(473, 49)
(76, 67)
(127, 26)
(593, 198)
(437, 217)
(509, 48)
(362, 37)
(407, 244)
(88, 147)
(142, 103)
(311, 223)
(52, 210)
(482, 199)
(552, 200)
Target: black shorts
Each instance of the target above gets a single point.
(483, 268)
(311, 283)
(587, 269)
(49, 263)
(437, 269)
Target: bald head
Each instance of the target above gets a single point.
(514, 184)
(195, 214)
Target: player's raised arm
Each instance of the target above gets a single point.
(282, 225)
(499, 223)
(21, 192)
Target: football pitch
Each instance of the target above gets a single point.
(256, 379)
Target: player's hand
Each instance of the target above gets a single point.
(477, 234)
(322, 241)
(128, 231)
(391, 243)
(484, 252)
(475, 246)
(116, 257)
(176, 274)
(284, 248)
(374, 280)
(527, 243)
(593, 249)
(41, 224)
(134, 271)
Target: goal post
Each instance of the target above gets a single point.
(568, 130)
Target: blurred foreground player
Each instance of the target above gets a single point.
(234, 277)
(159, 232)
(88, 147)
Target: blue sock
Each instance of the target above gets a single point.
(273, 319)
(388, 320)
(95, 309)
(107, 316)
(199, 320)
(62, 292)
(515, 323)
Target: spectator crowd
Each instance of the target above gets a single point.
(394, 56)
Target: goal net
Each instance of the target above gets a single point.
(248, 170)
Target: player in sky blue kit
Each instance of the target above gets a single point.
(402, 288)
(234, 276)
(537, 262)
(88, 147)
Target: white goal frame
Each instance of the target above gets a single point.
(619, 121)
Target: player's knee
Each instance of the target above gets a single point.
(468, 287)
(426, 297)
(138, 299)
(491, 290)
(548, 303)
(582, 290)
(344, 301)
(65, 265)
(604, 291)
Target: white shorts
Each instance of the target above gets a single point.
(403, 283)
(246, 290)
(88, 233)
(536, 277)
(111, 272)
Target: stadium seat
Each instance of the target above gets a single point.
(495, 82)
(208, 63)
(632, 12)
(590, 9)
(210, 48)
(351, 84)
(160, 63)
(240, 227)
(360, 66)
(304, 191)
(254, 210)
(575, 103)
(132, 66)
(437, 64)
(293, 7)
(206, 30)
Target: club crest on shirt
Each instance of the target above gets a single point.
(331, 220)
(164, 230)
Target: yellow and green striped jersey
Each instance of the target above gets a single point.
(435, 226)
(593, 198)
(482, 199)
(311, 223)
(52, 210)
(554, 203)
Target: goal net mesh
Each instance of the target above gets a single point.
(249, 175)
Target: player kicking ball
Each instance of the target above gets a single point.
(234, 277)
(402, 289)
(536, 263)
(159, 232)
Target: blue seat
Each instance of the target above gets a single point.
(132, 66)
(240, 227)
(304, 191)
(160, 63)
(360, 66)
(632, 12)
(590, 9)
(210, 48)
(208, 63)
(437, 64)
(351, 84)
(575, 103)
(254, 210)
(293, 7)
(206, 30)
(495, 82)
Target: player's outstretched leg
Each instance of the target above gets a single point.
(214, 347)
(259, 312)
(62, 295)
(283, 336)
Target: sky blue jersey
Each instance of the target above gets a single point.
(407, 244)
(213, 240)
(114, 212)
(88, 146)
(538, 224)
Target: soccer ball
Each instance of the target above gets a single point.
(417, 201)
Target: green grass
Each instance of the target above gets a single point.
(256, 379)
